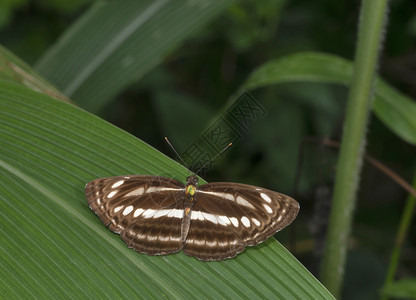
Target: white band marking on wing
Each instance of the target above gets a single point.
(244, 202)
(157, 213)
(156, 189)
(138, 212)
(255, 221)
(223, 220)
(245, 221)
(199, 242)
(210, 217)
(216, 219)
(128, 210)
(148, 213)
(211, 243)
(266, 197)
(117, 184)
(226, 196)
(118, 208)
(161, 213)
(112, 194)
(197, 215)
(234, 221)
(137, 192)
(268, 209)
(176, 213)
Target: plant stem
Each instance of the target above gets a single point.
(405, 223)
(370, 36)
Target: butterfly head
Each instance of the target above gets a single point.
(192, 180)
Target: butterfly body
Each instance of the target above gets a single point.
(190, 191)
(157, 215)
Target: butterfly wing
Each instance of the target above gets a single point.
(227, 217)
(133, 206)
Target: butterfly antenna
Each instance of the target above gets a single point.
(177, 154)
(228, 146)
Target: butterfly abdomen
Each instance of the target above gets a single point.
(190, 191)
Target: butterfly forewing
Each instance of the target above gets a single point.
(240, 215)
(147, 211)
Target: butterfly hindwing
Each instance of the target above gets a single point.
(147, 211)
(155, 236)
(208, 241)
(240, 215)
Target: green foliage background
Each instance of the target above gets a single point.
(294, 56)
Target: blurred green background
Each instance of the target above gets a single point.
(181, 95)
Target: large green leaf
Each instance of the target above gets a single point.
(115, 43)
(13, 69)
(53, 245)
(396, 110)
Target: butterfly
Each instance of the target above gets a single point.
(214, 221)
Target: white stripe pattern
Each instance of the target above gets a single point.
(216, 219)
(227, 196)
(112, 194)
(268, 209)
(117, 184)
(137, 192)
(245, 221)
(128, 210)
(157, 189)
(157, 213)
(234, 221)
(138, 212)
(266, 197)
(118, 208)
(240, 200)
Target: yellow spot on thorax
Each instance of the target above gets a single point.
(190, 189)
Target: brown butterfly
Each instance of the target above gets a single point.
(157, 215)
